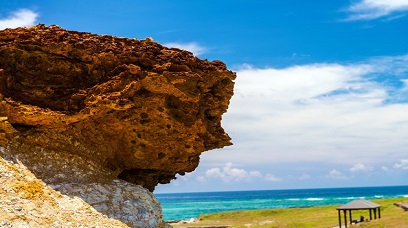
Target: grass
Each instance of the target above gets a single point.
(322, 216)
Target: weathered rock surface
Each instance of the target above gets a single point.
(26, 201)
(120, 200)
(77, 107)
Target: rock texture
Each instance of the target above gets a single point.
(78, 107)
(123, 201)
(26, 201)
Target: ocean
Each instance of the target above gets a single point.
(184, 206)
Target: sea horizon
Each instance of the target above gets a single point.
(277, 189)
(184, 206)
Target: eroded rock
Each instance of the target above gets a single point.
(26, 201)
(107, 107)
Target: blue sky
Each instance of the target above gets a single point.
(321, 95)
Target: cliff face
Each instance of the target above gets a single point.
(78, 107)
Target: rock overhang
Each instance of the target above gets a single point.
(131, 108)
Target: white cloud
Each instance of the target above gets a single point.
(185, 177)
(330, 113)
(337, 175)
(20, 18)
(298, 83)
(271, 178)
(403, 164)
(200, 179)
(405, 82)
(305, 177)
(373, 9)
(193, 47)
(229, 173)
(360, 167)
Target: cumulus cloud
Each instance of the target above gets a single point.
(403, 164)
(373, 9)
(229, 173)
(193, 47)
(19, 18)
(337, 175)
(320, 113)
(360, 167)
(271, 178)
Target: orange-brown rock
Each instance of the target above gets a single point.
(108, 106)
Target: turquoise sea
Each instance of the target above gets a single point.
(183, 206)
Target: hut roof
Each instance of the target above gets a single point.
(358, 205)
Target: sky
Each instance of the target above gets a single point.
(321, 95)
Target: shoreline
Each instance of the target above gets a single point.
(313, 216)
(184, 206)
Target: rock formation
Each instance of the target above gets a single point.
(114, 107)
(89, 113)
(26, 201)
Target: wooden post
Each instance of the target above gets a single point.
(345, 218)
(371, 217)
(339, 218)
(375, 213)
(379, 213)
(351, 218)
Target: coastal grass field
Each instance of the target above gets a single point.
(319, 216)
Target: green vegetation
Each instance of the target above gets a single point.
(323, 216)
